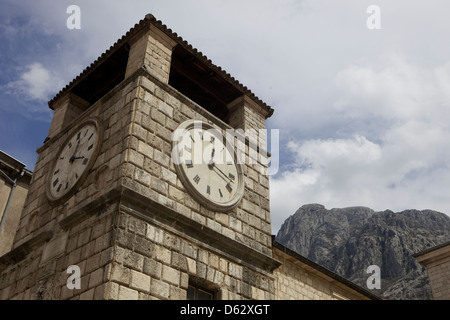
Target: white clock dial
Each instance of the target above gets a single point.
(73, 161)
(207, 166)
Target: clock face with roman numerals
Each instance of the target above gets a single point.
(73, 161)
(207, 166)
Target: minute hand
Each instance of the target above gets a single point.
(214, 166)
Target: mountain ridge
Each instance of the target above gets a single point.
(348, 240)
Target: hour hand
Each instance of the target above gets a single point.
(73, 158)
(211, 162)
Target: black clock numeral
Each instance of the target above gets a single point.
(90, 136)
(197, 179)
(201, 135)
(59, 187)
(232, 177)
(76, 175)
(87, 130)
(90, 147)
(208, 190)
(55, 182)
(56, 172)
(220, 192)
(67, 185)
(189, 164)
(85, 161)
(192, 138)
(188, 149)
(70, 144)
(229, 188)
(78, 135)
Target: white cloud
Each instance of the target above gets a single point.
(330, 172)
(403, 165)
(409, 170)
(395, 89)
(35, 82)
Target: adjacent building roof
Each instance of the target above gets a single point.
(11, 168)
(323, 270)
(425, 251)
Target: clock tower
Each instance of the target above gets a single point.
(151, 184)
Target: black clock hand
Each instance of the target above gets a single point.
(211, 162)
(222, 177)
(213, 165)
(72, 158)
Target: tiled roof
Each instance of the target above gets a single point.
(146, 23)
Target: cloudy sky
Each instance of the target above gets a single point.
(363, 113)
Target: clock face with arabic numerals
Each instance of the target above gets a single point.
(207, 166)
(74, 160)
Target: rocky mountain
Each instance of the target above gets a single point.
(348, 240)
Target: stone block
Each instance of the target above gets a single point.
(161, 158)
(54, 247)
(177, 293)
(162, 254)
(160, 289)
(133, 260)
(171, 275)
(95, 278)
(135, 157)
(140, 281)
(152, 268)
(143, 246)
(137, 226)
(126, 293)
(159, 186)
(120, 274)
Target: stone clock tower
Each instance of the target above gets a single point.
(141, 190)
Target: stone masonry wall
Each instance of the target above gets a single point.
(439, 275)
(74, 232)
(295, 282)
(150, 170)
(154, 263)
(139, 117)
(437, 263)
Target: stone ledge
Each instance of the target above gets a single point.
(96, 207)
(169, 219)
(19, 253)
